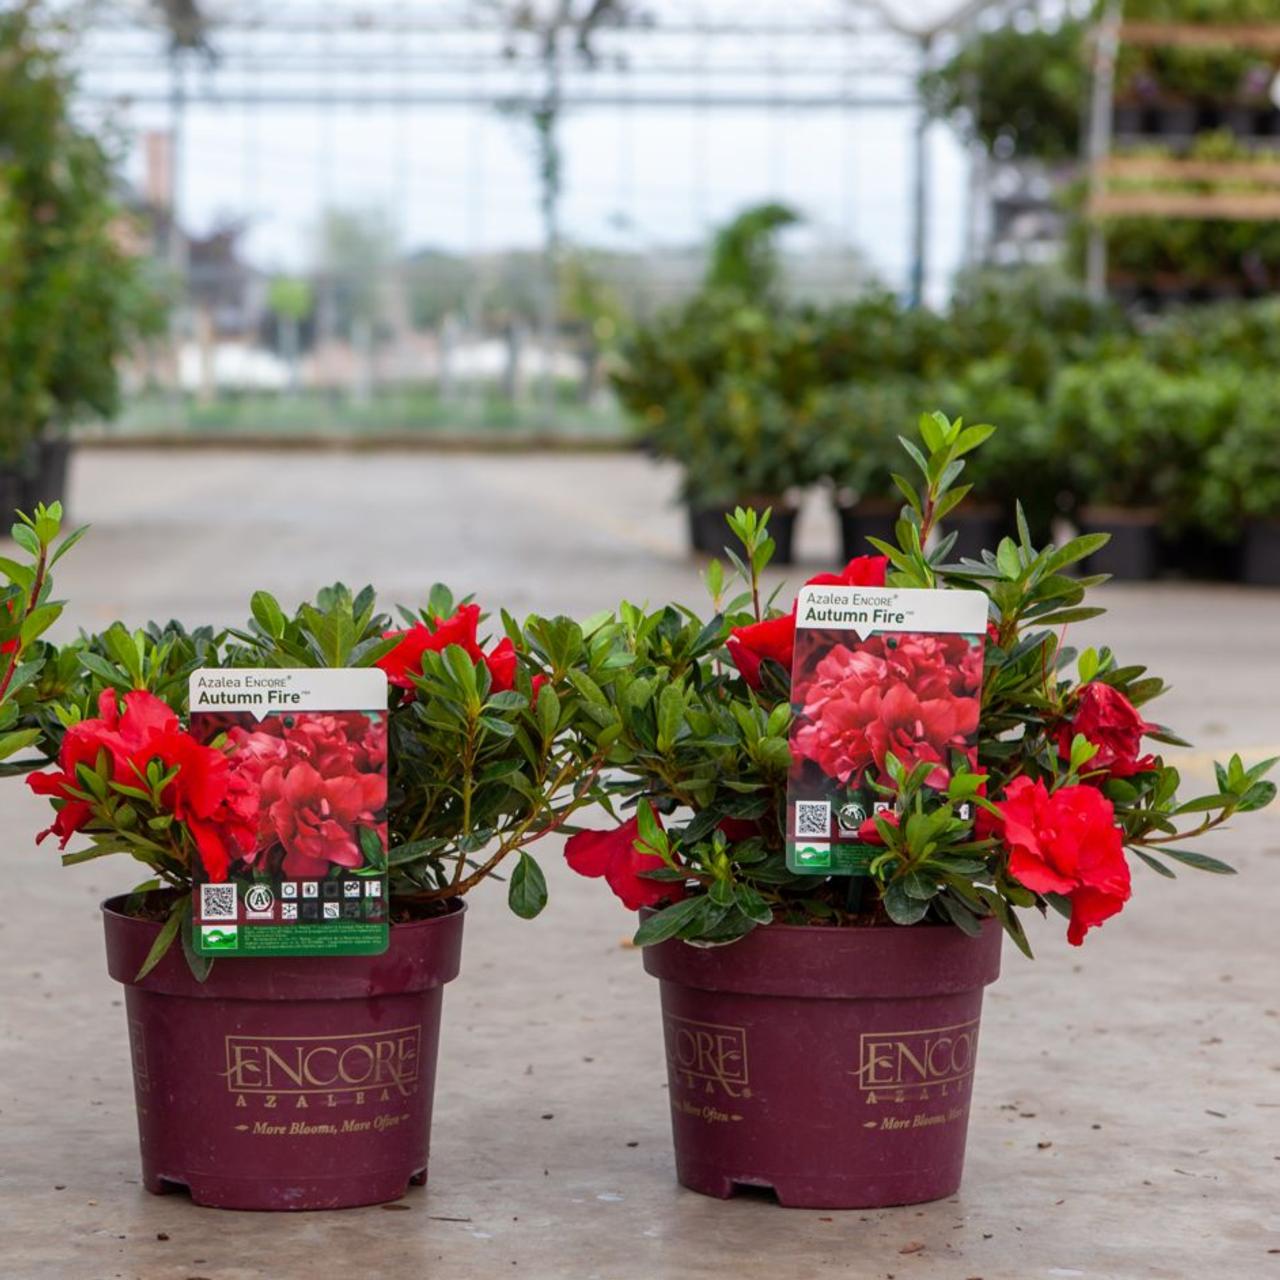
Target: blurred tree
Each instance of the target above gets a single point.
(744, 254)
(72, 296)
(356, 249)
(594, 312)
(290, 299)
(439, 285)
(556, 31)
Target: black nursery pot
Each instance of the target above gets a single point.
(709, 534)
(865, 520)
(47, 479)
(1193, 555)
(1261, 555)
(13, 491)
(1133, 554)
(976, 530)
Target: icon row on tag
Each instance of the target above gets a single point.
(330, 889)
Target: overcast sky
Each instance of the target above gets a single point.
(464, 179)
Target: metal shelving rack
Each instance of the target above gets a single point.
(1104, 168)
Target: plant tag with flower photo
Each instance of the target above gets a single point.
(877, 671)
(304, 861)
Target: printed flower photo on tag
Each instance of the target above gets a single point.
(870, 698)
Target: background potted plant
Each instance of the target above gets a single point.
(856, 430)
(71, 296)
(305, 1082)
(1133, 436)
(724, 384)
(1241, 491)
(814, 1047)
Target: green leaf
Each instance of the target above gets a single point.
(100, 667)
(670, 716)
(16, 741)
(901, 907)
(1205, 804)
(670, 921)
(916, 884)
(67, 543)
(371, 846)
(268, 614)
(414, 850)
(201, 966)
(527, 892)
(647, 827)
(1155, 864)
(1200, 861)
(1258, 796)
(548, 711)
(507, 700)
(164, 939)
(25, 536)
(1008, 560)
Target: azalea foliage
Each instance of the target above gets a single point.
(1068, 788)
(489, 746)
(29, 665)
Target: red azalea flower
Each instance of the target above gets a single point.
(314, 824)
(861, 571)
(1112, 723)
(614, 855)
(775, 638)
(869, 833)
(202, 795)
(912, 695)
(501, 661)
(11, 646)
(736, 830)
(405, 660)
(317, 819)
(1067, 842)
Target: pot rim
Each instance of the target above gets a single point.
(108, 907)
(870, 962)
(420, 954)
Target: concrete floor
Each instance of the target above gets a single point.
(1126, 1114)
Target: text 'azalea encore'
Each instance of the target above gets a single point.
(774, 639)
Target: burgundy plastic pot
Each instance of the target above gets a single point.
(831, 1065)
(285, 1082)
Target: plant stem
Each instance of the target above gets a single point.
(37, 587)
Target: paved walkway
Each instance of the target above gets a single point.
(1126, 1115)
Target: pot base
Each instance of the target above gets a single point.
(801, 1192)
(830, 1066)
(268, 1195)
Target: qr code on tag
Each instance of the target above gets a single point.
(217, 902)
(813, 818)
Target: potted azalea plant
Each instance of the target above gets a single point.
(821, 1030)
(300, 1081)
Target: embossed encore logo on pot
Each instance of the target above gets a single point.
(893, 1062)
(324, 1064)
(710, 1053)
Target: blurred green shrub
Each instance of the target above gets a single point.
(72, 297)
